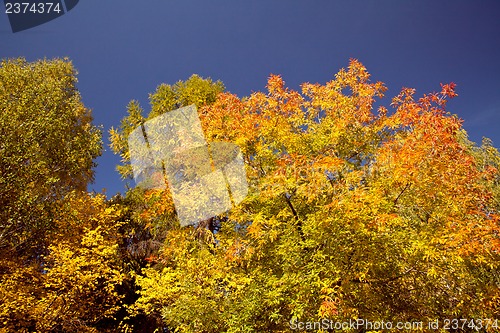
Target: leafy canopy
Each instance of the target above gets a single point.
(60, 263)
(47, 146)
(353, 212)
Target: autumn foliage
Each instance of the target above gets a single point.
(353, 211)
(60, 266)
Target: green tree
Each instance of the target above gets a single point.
(47, 148)
(60, 258)
(152, 213)
(195, 90)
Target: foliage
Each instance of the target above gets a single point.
(195, 90)
(353, 213)
(47, 147)
(60, 262)
(74, 288)
(152, 213)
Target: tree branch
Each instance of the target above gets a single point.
(401, 193)
(294, 212)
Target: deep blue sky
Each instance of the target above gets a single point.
(124, 49)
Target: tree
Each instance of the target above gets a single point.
(47, 148)
(78, 286)
(352, 213)
(195, 90)
(152, 213)
(60, 258)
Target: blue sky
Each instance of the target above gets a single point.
(124, 49)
